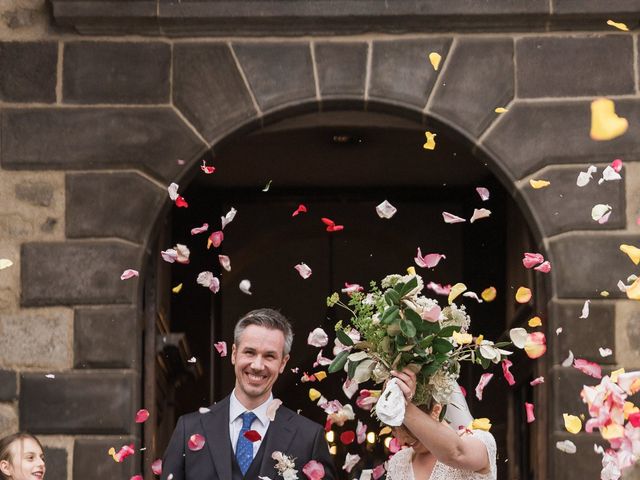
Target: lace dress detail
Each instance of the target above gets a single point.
(400, 467)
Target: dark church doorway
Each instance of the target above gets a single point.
(340, 165)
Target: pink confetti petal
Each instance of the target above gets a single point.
(439, 289)
(180, 161)
(529, 408)
(301, 209)
(181, 202)
(530, 260)
(124, 452)
(350, 288)
(544, 267)
(331, 226)
(429, 260)
(451, 218)
(137, 477)
(215, 239)
(536, 381)
(142, 416)
(536, 345)
(206, 169)
(506, 365)
(273, 407)
(378, 471)
(304, 270)
(394, 445)
(196, 442)
(479, 213)
(321, 361)
(221, 348)
(225, 262)
(483, 192)
(484, 380)
(361, 432)
(197, 230)
(318, 338)
(313, 470)
(129, 273)
(589, 368)
(351, 460)
(156, 467)
(228, 218)
(206, 279)
(617, 165)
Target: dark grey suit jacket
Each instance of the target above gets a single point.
(289, 433)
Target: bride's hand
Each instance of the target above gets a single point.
(407, 382)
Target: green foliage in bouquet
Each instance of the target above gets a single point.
(397, 328)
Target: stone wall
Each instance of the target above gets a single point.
(92, 126)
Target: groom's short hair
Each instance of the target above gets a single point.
(267, 318)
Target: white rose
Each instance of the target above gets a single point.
(390, 408)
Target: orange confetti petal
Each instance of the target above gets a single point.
(385, 431)
(523, 295)
(535, 322)
(321, 375)
(538, 184)
(605, 124)
(435, 59)
(431, 141)
(489, 294)
(633, 252)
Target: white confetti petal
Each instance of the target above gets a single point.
(600, 212)
(518, 336)
(585, 177)
(203, 410)
(609, 174)
(558, 330)
(451, 218)
(479, 213)
(245, 286)
(173, 191)
(228, 218)
(566, 446)
(5, 263)
(225, 262)
(567, 362)
(50, 375)
(192, 360)
(621, 286)
(386, 210)
(318, 338)
(605, 352)
(473, 295)
(585, 309)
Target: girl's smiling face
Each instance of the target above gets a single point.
(26, 462)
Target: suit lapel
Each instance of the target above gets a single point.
(216, 428)
(278, 439)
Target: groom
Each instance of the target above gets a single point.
(261, 345)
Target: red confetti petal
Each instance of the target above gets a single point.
(156, 467)
(137, 477)
(181, 202)
(508, 376)
(142, 416)
(301, 209)
(215, 239)
(207, 170)
(347, 437)
(252, 435)
(335, 228)
(313, 470)
(634, 418)
(196, 442)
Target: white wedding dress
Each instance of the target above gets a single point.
(400, 468)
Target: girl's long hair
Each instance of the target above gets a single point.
(5, 447)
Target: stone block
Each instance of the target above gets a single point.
(627, 332)
(56, 460)
(574, 66)
(106, 337)
(401, 71)
(116, 72)
(101, 205)
(37, 338)
(342, 69)
(278, 73)
(78, 273)
(528, 136)
(8, 420)
(98, 402)
(28, 71)
(8, 385)
(586, 264)
(478, 77)
(563, 206)
(208, 88)
(90, 459)
(583, 464)
(36, 193)
(583, 336)
(582, 7)
(150, 139)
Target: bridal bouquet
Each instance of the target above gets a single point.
(394, 326)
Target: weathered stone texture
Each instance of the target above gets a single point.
(478, 78)
(118, 204)
(8, 385)
(8, 419)
(28, 71)
(38, 338)
(574, 66)
(528, 136)
(583, 336)
(56, 461)
(90, 461)
(278, 73)
(585, 463)
(92, 326)
(632, 181)
(563, 206)
(401, 72)
(342, 69)
(77, 403)
(595, 6)
(77, 273)
(116, 72)
(627, 333)
(587, 264)
(76, 138)
(208, 88)
(36, 193)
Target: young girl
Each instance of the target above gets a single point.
(21, 457)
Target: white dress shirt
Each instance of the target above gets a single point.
(260, 424)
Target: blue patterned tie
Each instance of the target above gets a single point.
(244, 447)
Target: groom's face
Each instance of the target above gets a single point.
(258, 359)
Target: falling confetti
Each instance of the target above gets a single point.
(506, 372)
(489, 294)
(538, 184)
(314, 394)
(605, 124)
(588, 368)
(225, 262)
(572, 423)
(484, 193)
(485, 378)
(267, 186)
(252, 435)
(535, 322)
(221, 348)
(456, 290)
(605, 352)
(601, 212)
(129, 273)
(156, 467)
(318, 338)
(451, 218)
(618, 25)
(435, 59)
(272, 408)
(536, 345)
(228, 218)
(5, 263)
(197, 230)
(501, 110)
(177, 288)
(215, 239)
(313, 470)
(585, 177)
(566, 446)
(430, 144)
(529, 408)
(208, 170)
(386, 210)
(196, 442)
(429, 260)
(536, 381)
(632, 252)
(479, 213)
(518, 336)
(142, 416)
(523, 295)
(585, 310)
(331, 225)
(245, 287)
(206, 279)
(481, 424)
(304, 270)
(301, 209)
(609, 174)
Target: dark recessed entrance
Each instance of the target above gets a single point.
(340, 165)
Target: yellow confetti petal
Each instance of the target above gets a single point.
(314, 394)
(535, 322)
(605, 124)
(479, 339)
(501, 110)
(385, 431)
(455, 291)
(633, 290)
(489, 294)
(629, 408)
(435, 58)
(538, 184)
(633, 252)
(572, 423)
(612, 431)
(604, 293)
(480, 424)
(618, 25)
(321, 375)
(462, 338)
(5, 263)
(614, 375)
(523, 295)
(411, 271)
(431, 141)
(177, 288)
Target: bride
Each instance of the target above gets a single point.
(435, 450)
